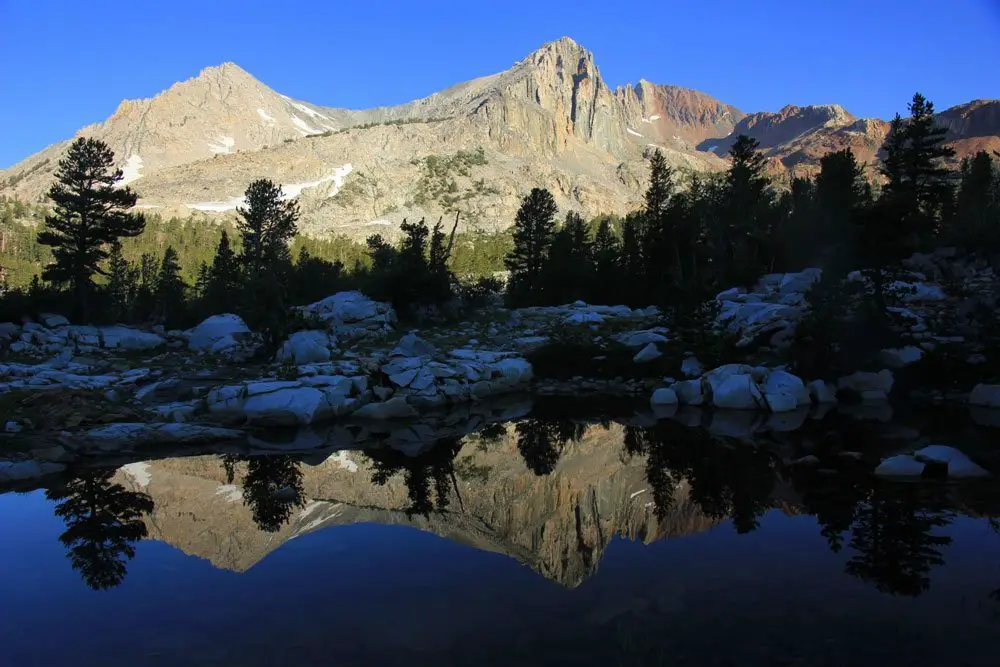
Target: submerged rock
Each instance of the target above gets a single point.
(869, 386)
(959, 465)
(902, 465)
(16, 471)
(141, 434)
(664, 396)
(985, 395)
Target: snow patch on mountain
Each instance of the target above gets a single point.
(304, 127)
(289, 191)
(131, 170)
(310, 112)
(139, 472)
(222, 145)
(266, 117)
(230, 492)
(631, 131)
(218, 206)
(339, 174)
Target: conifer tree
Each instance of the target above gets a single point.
(169, 288)
(661, 252)
(975, 224)
(440, 275)
(121, 285)
(266, 224)
(534, 228)
(841, 193)
(144, 276)
(202, 281)
(634, 263)
(607, 258)
(89, 212)
(929, 178)
(747, 211)
(223, 285)
(570, 262)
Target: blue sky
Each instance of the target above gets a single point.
(67, 63)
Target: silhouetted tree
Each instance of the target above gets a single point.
(121, 284)
(434, 467)
(169, 292)
(439, 290)
(975, 223)
(929, 180)
(662, 238)
(534, 228)
(103, 523)
(89, 212)
(570, 263)
(842, 194)
(633, 260)
(607, 265)
(748, 213)
(223, 278)
(895, 545)
(272, 488)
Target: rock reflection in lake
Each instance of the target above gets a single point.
(549, 484)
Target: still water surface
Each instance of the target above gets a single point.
(545, 542)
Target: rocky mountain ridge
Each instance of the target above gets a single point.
(474, 148)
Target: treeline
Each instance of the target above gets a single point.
(698, 235)
(695, 235)
(102, 261)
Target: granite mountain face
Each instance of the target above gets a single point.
(474, 148)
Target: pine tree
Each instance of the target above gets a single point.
(169, 288)
(411, 274)
(841, 193)
(930, 181)
(266, 225)
(975, 224)
(661, 252)
(534, 228)
(661, 186)
(747, 211)
(121, 287)
(440, 275)
(607, 265)
(89, 212)
(223, 286)
(634, 263)
(570, 262)
(144, 277)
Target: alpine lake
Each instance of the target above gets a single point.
(522, 530)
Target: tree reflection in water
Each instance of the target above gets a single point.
(893, 537)
(434, 467)
(540, 441)
(272, 487)
(103, 523)
(727, 478)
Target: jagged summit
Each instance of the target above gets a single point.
(550, 120)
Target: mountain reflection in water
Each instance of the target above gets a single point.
(551, 488)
